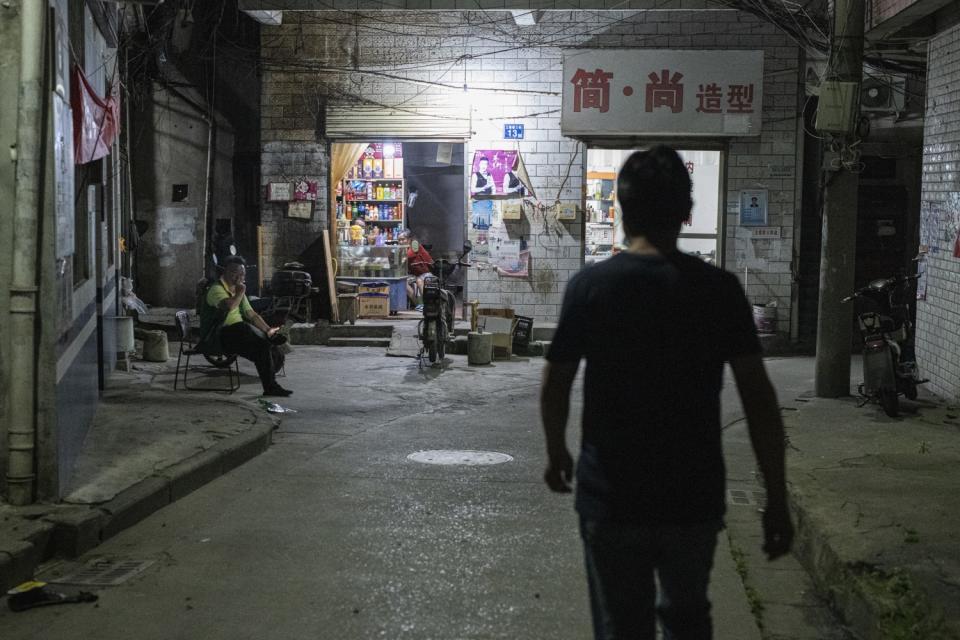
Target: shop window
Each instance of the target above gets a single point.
(604, 229)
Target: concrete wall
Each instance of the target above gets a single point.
(431, 46)
(171, 148)
(9, 88)
(938, 317)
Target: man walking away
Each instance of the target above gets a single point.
(655, 327)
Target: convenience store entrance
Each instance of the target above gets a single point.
(604, 231)
(384, 188)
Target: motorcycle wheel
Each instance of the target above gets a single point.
(432, 350)
(890, 401)
(442, 342)
(220, 361)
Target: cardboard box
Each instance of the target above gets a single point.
(502, 330)
(374, 305)
(498, 312)
(376, 289)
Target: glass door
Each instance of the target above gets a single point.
(604, 230)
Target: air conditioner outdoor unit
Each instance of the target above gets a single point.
(883, 94)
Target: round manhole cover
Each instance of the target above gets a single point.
(465, 458)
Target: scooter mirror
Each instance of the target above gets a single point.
(467, 247)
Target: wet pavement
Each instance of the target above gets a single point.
(335, 533)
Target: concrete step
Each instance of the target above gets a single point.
(361, 331)
(358, 342)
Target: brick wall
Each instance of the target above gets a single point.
(430, 46)
(938, 317)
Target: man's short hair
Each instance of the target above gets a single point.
(653, 188)
(233, 262)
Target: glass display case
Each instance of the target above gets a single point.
(388, 261)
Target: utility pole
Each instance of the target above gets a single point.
(839, 245)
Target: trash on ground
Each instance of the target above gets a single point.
(37, 594)
(273, 407)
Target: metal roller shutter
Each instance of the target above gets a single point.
(365, 122)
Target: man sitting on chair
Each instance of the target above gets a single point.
(242, 331)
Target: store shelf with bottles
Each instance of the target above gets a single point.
(377, 201)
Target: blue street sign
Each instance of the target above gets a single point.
(513, 132)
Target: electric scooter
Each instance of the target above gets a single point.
(438, 305)
(889, 363)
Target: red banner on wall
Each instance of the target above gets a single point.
(96, 121)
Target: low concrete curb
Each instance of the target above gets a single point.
(70, 531)
(875, 592)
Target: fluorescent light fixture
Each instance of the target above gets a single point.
(524, 18)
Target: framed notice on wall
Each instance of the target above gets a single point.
(279, 192)
(302, 209)
(753, 208)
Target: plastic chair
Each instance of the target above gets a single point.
(217, 360)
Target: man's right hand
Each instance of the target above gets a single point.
(239, 289)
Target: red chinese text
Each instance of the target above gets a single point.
(591, 90)
(740, 98)
(710, 97)
(665, 91)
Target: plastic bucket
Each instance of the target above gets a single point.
(124, 324)
(479, 348)
(765, 318)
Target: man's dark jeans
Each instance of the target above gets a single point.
(622, 559)
(251, 343)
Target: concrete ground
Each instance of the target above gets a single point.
(334, 533)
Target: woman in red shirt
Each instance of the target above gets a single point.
(418, 265)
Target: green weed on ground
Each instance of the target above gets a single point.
(753, 596)
(903, 611)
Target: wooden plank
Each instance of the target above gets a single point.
(331, 284)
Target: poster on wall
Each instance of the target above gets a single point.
(498, 173)
(63, 175)
(485, 219)
(508, 257)
(753, 208)
(305, 190)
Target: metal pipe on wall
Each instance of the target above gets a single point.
(22, 433)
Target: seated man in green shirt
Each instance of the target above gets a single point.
(242, 330)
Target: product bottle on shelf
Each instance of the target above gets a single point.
(378, 192)
(369, 191)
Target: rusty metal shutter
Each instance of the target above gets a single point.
(365, 122)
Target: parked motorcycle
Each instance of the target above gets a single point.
(889, 363)
(438, 305)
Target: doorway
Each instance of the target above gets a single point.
(604, 229)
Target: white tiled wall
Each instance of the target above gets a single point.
(430, 46)
(938, 317)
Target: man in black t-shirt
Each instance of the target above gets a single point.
(655, 327)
